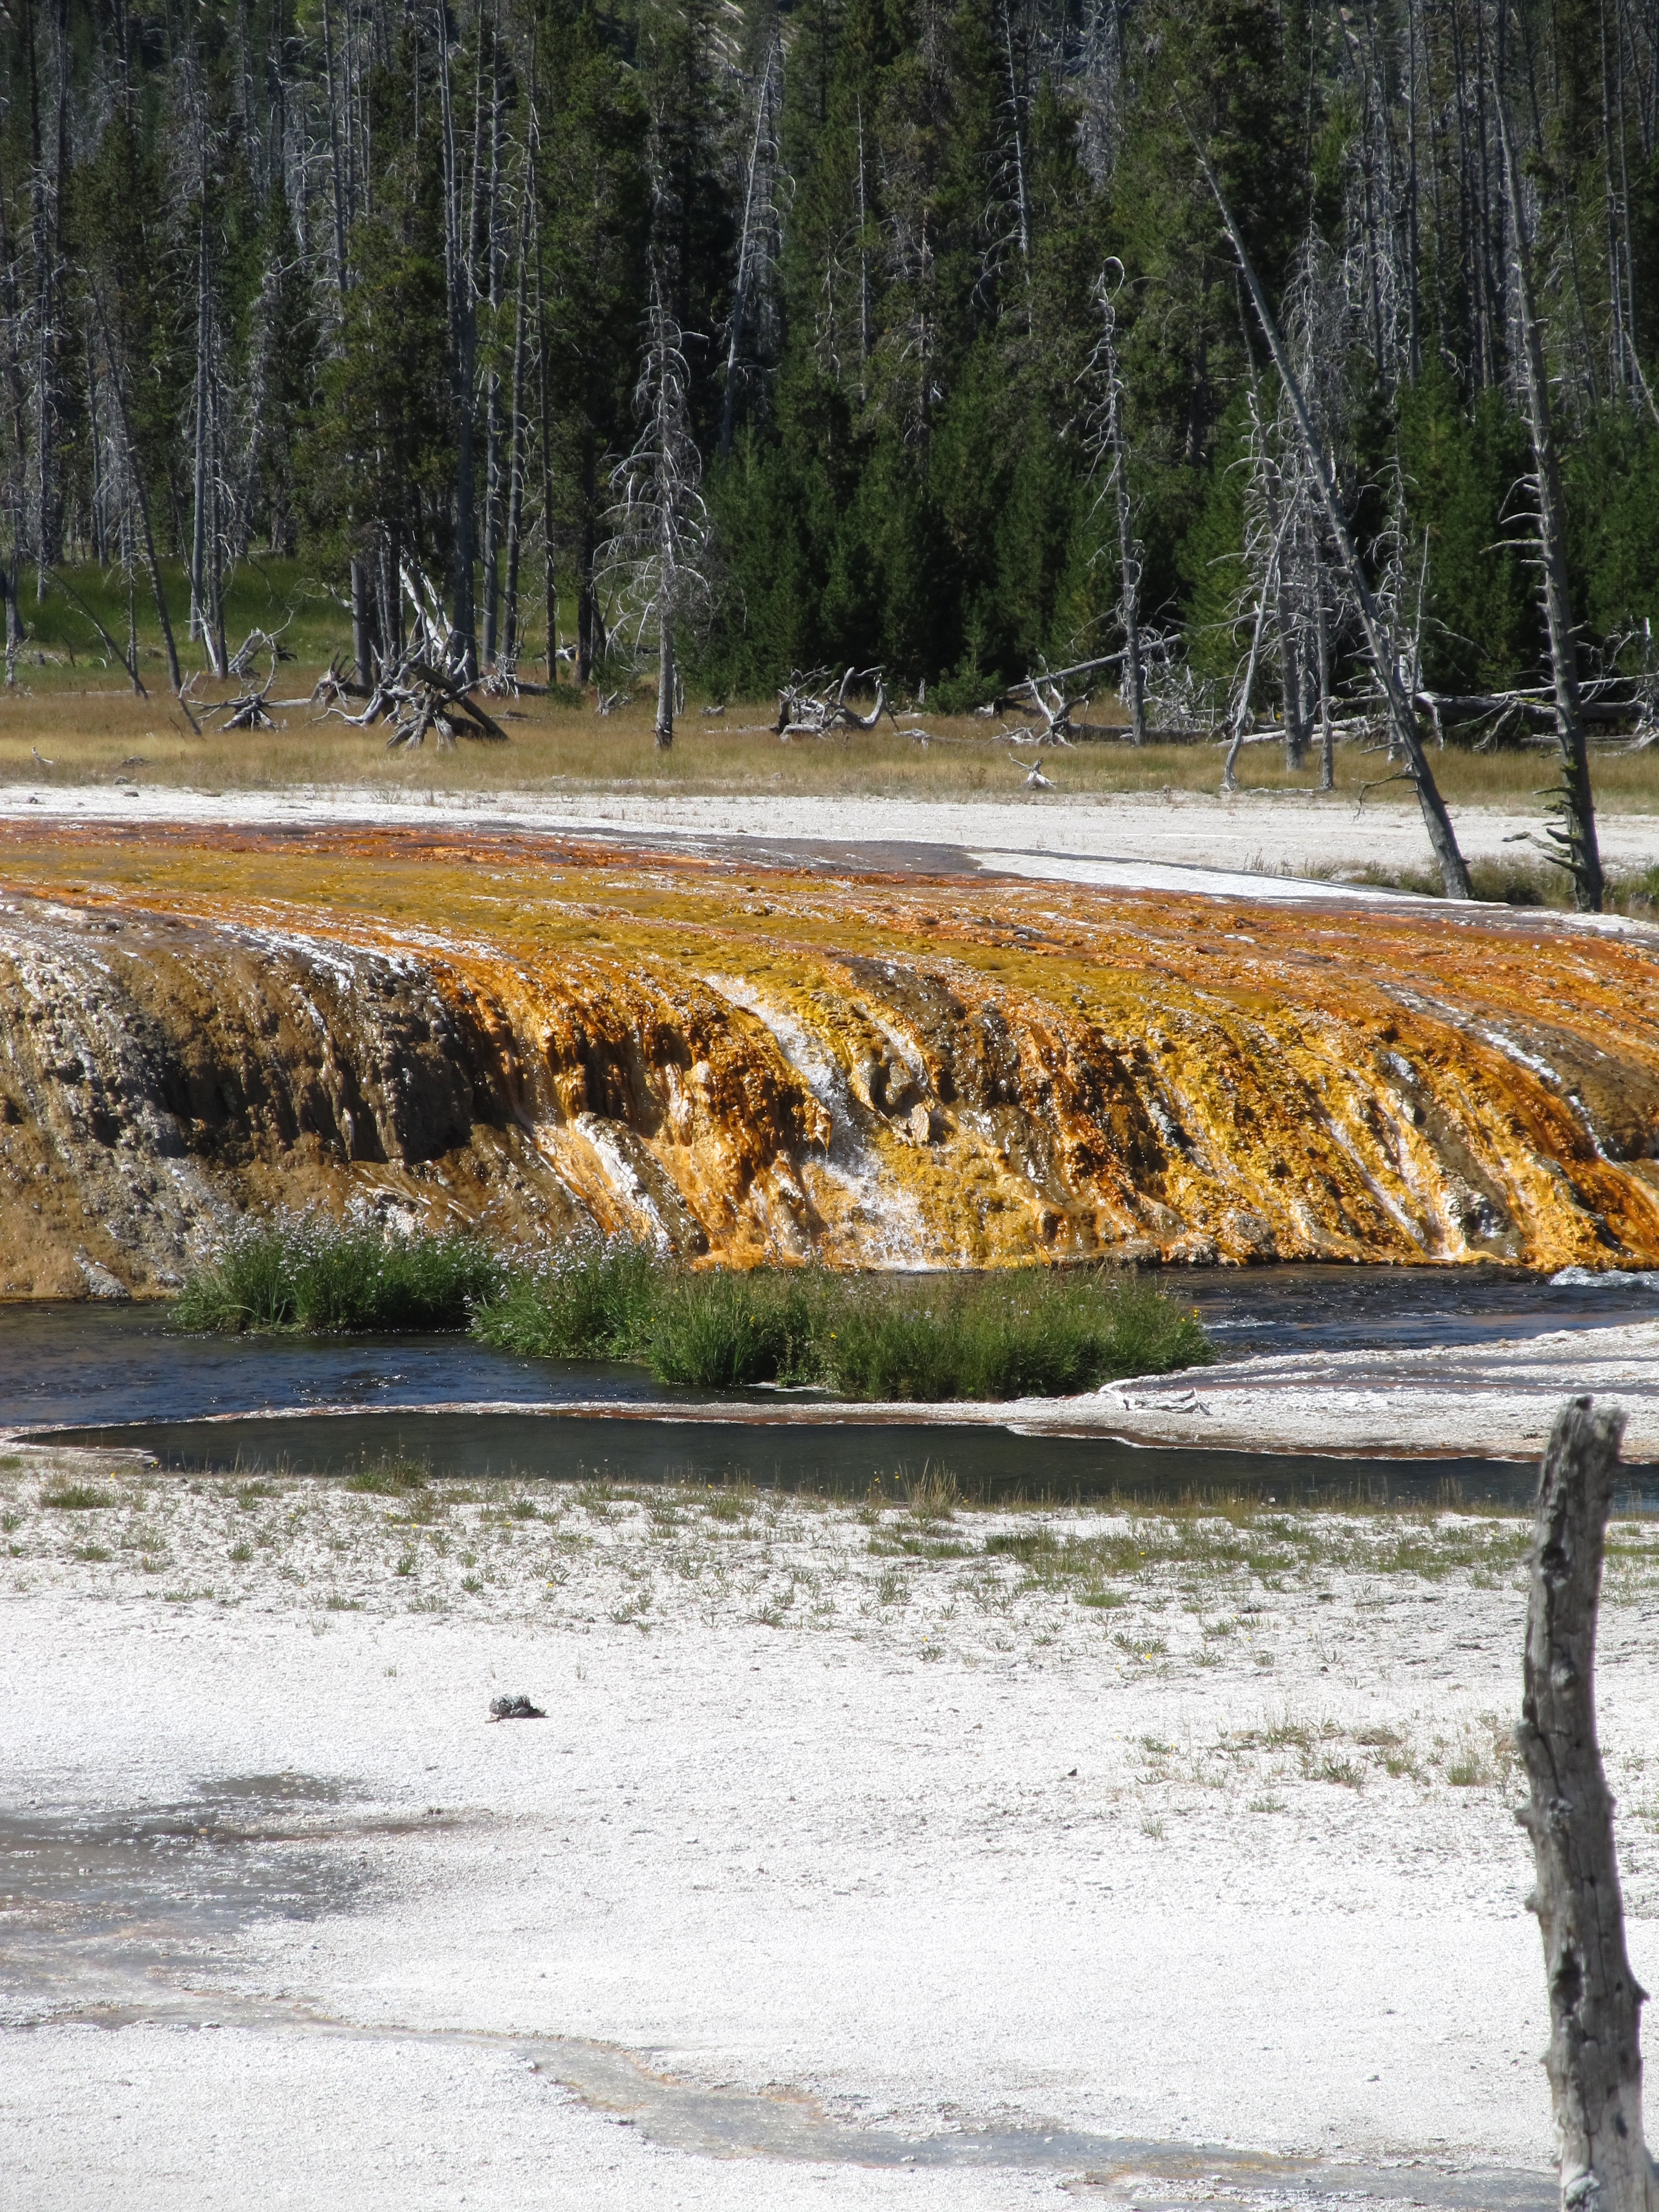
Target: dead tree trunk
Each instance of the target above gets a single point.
(199, 538)
(1594, 2056)
(1443, 838)
(1110, 440)
(1580, 855)
(1241, 711)
(117, 373)
(663, 728)
(550, 571)
(750, 215)
(509, 652)
(494, 474)
(1322, 648)
(463, 352)
(363, 621)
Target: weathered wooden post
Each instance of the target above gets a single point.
(1594, 2056)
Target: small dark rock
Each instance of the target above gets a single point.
(514, 1709)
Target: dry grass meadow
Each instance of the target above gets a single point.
(70, 717)
(62, 725)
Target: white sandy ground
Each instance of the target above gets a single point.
(1261, 844)
(1208, 1842)
(1489, 1399)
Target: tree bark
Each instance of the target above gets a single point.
(1594, 2056)
(363, 620)
(664, 730)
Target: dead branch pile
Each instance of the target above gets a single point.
(1046, 691)
(255, 643)
(425, 685)
(250, 711)
(807, 708)
(334, 686)
(417, 696)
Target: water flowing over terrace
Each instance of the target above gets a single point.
(754, 1062)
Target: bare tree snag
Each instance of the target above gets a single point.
(660, 523)
(1594, 2056)
(1436, 821)
(1108, 444)
(1580, 854)
(364, 612)
(117, 373)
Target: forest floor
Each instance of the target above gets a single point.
(901, 1852)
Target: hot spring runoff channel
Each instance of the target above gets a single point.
(118, 1376)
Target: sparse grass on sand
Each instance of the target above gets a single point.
(1034, 1332)
(1178, 1593)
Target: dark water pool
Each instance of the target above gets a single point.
(839, 1458)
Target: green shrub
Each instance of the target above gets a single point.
(307, 1272)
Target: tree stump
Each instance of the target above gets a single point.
(1594, 2056)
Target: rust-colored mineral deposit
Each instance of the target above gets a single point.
(756, 1063)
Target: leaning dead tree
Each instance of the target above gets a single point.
(1576, 849)
(1594, 2056)
(1402, 721)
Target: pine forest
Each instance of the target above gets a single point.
(1285, 362)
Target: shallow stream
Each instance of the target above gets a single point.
(119, 1375)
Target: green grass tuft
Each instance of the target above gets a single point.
(1038, 1332)
(307, 1271)
(725, 1330)
(77, 1497)
(390, 1479)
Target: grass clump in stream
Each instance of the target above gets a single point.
(307, 1271)
(595, 1301)
(1038, 1332)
